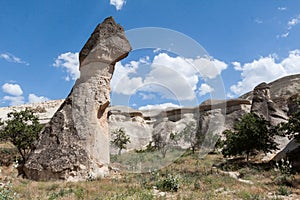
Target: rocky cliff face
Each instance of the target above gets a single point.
(141, 125)
(75, 143)
(281, 90)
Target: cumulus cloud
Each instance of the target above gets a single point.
(117, 3)
(181, 75)
(11, 58)
(205, 89)
(265, 69)
(121, 81)
(12, 89)
(209, 67)
(159, 106)
(32, 98)
(171, 77)
(174, 74)
(14, 100)
(70, 62)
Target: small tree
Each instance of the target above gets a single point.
(192, 135)
(120, 139)
(21, 129)
(292, 126)
(164, 138)
(250, 134)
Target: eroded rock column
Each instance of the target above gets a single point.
(75, 143)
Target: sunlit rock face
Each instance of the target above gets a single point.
(75, 143)
(264, 106)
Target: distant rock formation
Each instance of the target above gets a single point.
(75, 143)
(263, 106)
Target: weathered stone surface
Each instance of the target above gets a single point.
(75, 144)
(263, 106)
(141, 124)
(280, 90)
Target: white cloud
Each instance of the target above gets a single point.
(282, 8)
(32, 98)
(12, 89)
(209, 67)
(266, 69)
(159, 106)
(121, 81)
(237, 66)
(174, 74)
(14, 100)
(117, 3)
(147, 96)
(284, 35)
(293, 22)
(70, 62)
(205, 89)
(11, 58)
(171, 77)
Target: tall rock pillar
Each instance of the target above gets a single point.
(75, 143)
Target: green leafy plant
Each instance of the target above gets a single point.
(283, 191)
(251, 134)
(292, 126)
(21, 129)
(169, 183)
(284, 167)
(120, 139)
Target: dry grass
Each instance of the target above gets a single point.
(198, 180)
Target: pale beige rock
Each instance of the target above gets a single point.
(75, 144)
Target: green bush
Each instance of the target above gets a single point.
(120, 139)
(168, 184)
(251, 134)
(21, 129)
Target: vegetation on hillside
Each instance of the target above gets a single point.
(251, 134)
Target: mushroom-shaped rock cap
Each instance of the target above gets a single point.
(107, 40)
(262, 86)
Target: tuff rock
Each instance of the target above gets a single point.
(75, 143)
(263, 106)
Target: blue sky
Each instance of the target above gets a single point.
(248, 42)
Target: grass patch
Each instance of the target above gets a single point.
(196, 178)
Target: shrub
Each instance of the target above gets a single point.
(284, 167)
(21, 129)
(120, 139)
(251, 134)
(170, 183)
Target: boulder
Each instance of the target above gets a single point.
(75, 143)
